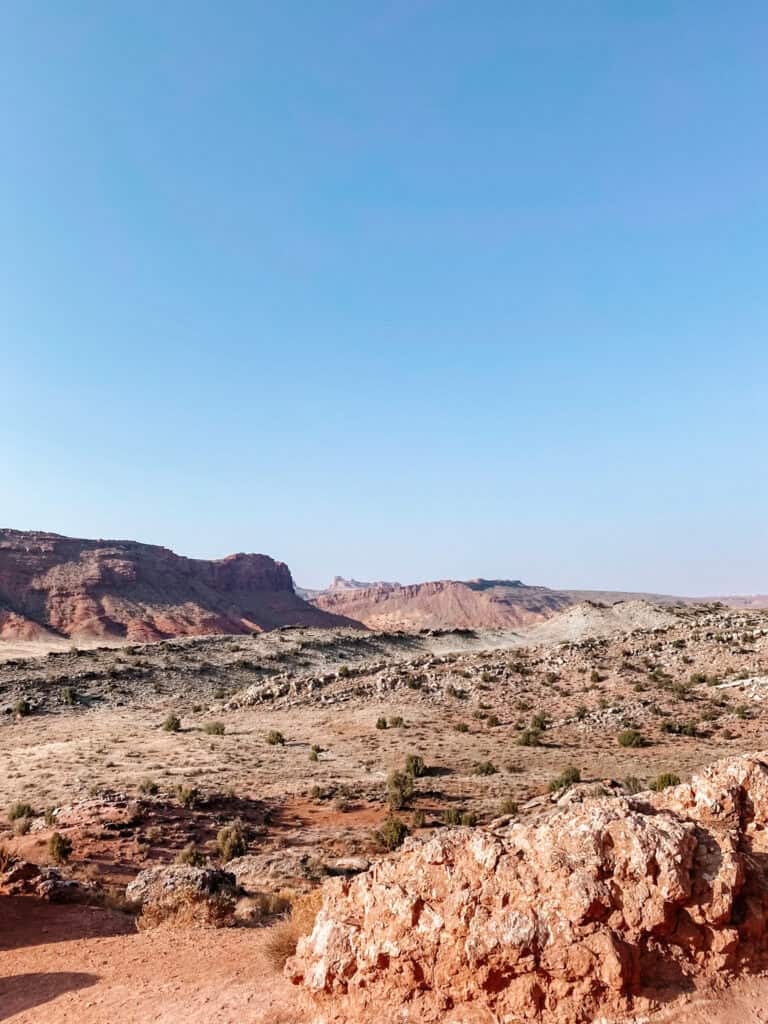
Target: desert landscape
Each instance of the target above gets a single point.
(203, 795)
(383, 548)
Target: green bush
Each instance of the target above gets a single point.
(414, 765)
(275, 738)
(215, 728)
(665, 779)
(392, 833)
(492, 721)
(568, 777)
(633, 784)
(191, 856)
(539, 721)
(172, 723)
(381, 723)
(396, 722)
(149, 787)
(461, 727)
(22, 708)
(188, 796)
(631, 738)
(399, 789)
(485, 768)
(680, 728)
(529, 738)
(68, 695)
(508, 806)
(231, 842)
(20, 809)
(59, 848)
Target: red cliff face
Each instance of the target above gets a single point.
(94, 588)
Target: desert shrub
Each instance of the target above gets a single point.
(343, 672)
(743, 711)
(381, 723)
(68, 695)
(665, 779)
(508, 806)
(59, 848)
(680, 728)
(282, 937)
(581, 712)
(399, 789)
(568, 777)
(457, 816)
(314, 755)
(148, 787)
(22, 825)
(49, 816)
(392, 833)
(418, 819)
(231, 841)
(485, 768)
(414, 765)
(275, 738)
(22, 708)
(486, 677)
(461, 727)
(529, 738)
(188, 796)
(396, 722)
(595, 677)
(631, 738)
(20, 809)
(539, 721)
(492, 721)
(633, 784)
(172, 723)
(214, 728)
(191, 856)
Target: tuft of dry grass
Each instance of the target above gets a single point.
(283, 937)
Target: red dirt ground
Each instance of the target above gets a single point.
(80, 965)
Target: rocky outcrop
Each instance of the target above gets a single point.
(609, 909)
(182, 895)
(93, 588)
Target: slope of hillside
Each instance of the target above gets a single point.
(476, 604)
(60, 586)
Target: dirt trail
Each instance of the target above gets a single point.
(77, 965)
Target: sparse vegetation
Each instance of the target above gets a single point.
(664, 780)
(275, 738)
(568, 777)
(399, 789)
(631, 738)
(59, 848)
(231, 842)
(172, 723)
(392, 833)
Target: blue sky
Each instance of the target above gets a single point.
(408, 290)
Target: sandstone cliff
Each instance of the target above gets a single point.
(608, 909)
(104, 588)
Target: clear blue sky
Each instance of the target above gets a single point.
(402, 290)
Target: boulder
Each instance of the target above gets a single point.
(182, 895)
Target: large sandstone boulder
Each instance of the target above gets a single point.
(182, 895)
(605, 909)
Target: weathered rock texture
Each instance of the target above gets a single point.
(181, 895)
(96, 588)
(606, 910)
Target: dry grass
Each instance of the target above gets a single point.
(283, 937)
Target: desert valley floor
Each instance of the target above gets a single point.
(140, 755)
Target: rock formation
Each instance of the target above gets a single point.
(607, 909)
(96, 588)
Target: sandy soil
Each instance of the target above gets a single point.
(79, 965)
